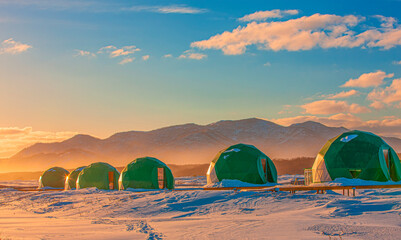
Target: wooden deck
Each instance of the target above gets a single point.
(346, 190)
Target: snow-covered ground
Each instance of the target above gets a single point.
(196, 214)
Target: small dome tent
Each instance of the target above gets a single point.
(53, 177)
(242, 162)
(100, 175)
(71, 180)
(147, 173)
(356, 154)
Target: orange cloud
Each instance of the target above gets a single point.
(388, 95)
(10, 46)
(387, 126)
(84, 53)
(191, 55)
(124, 51)
(14, 139)
(304, 33)
(263, 15)
(126, 60)
(323, 107)
(372, 79)
(343, 94)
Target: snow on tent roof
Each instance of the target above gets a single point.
(70, 182)
(53, 177)
(146, 173)
(242, 162)
(100, 175)
(356, 154)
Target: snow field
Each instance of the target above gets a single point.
(193, 214)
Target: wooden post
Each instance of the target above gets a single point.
(353, 190)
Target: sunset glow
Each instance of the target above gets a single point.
(103, 67)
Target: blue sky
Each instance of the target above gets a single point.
(100, 67)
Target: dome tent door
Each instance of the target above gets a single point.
(161, 178)
(264, 166)
(111, 180)
(385, 154)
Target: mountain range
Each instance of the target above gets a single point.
(181, 144)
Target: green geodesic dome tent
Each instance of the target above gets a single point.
(53, 177)
(71, 181)
(100, 175)
(356, 154)
(147, 173)
(242, 162)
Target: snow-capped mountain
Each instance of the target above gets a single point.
(181, 144)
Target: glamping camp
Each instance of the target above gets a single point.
(53, 178)
(71, 181)
(100, 175)
(242, 162)
(146, 173)
(356, 154)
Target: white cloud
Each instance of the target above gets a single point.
(83, 53)
(324, 107)
(267, 64)
(343, 94)
(10, 46)
(304, 33)
(263, 15)
(14, 139)
(372, 79)
(168, 56)
(397, 62)
(191, 55)
(59, 4)
(145, 58)
(97, 6)
(126, 60)
(102, 6)
(178, 9)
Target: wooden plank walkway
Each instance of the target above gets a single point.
(277, 188)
